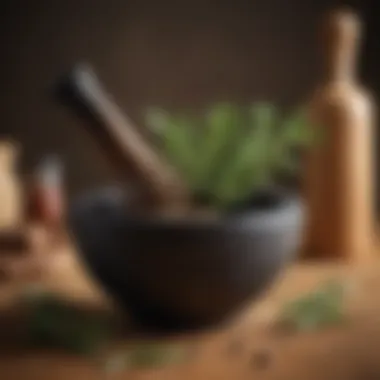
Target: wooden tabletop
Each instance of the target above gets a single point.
(346, 352)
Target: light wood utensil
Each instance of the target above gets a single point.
(339, 175)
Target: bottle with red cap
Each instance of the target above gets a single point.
(47, 195)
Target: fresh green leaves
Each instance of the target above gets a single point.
(231, 152)
(321, 308)
(177, 138)
(249, 167)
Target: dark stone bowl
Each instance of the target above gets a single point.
(190, 273)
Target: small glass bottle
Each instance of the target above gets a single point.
(47, 195)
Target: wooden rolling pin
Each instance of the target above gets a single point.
(339, 176)
(121, 139)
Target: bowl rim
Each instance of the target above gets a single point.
(289, 210)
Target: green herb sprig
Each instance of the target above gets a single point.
(231, 152)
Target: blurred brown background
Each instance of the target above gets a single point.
(148, 52)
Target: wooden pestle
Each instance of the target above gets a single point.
(339, 171)
(133, 152)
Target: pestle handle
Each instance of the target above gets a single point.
(341, 35)
(87, 91)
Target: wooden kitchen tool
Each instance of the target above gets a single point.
(122, 139)
(11, 203)
(339, 176)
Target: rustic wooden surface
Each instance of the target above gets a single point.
(346, 352)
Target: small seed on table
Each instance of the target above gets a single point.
(261, 359)
(235, 347)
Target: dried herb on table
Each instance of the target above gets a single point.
(145, 356)
(321, 308)
(54, 324)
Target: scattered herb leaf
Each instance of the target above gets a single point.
(321, 308)
(55, 324)
(145, 356)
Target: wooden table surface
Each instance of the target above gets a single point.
(350, 351)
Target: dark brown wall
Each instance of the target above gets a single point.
(149, 52)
